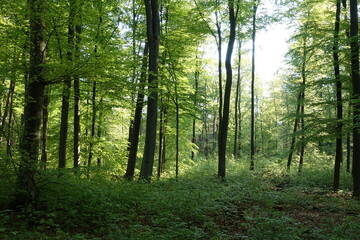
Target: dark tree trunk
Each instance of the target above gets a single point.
(77, 129)
(93, 122)
(252, 121)
(153, 37)
(66, 89)
(300, 110)
(219, 47)
(193, 139)
(223, 130)
(134, 141)
(355, 76)
(45, 123)
(237, 104)
(339, 109)
(293, 139)
(26, 191)
(8, 104)
(161, 137)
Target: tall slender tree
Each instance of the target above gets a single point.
(224, 123)
(252, 120)
(153, 38)
(339, 110)
(355, 76)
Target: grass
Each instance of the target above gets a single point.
(269, 203)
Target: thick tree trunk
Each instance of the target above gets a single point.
(339, 110)
(153, 37)
(355, 76)
(134, 141)
(26, 191)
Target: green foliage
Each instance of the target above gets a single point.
(266, 204)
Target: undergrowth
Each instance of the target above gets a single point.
(269, 203)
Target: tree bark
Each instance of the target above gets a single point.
(237, 104)
(153, 37)
(355, 76)
(77, 128)
(66, 88)
(252, 120)
(223, 130)
(45, 124)
(339, 110)
(26, 191)
(134, 141)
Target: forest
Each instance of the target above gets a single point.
(148, 119)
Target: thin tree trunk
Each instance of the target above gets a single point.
(134, 141)
(293, 139)
(339, 110)
(161, 134)
(9, 100)
(26, 191)
(252, 121)
(153, 37)
(77, 128)
(355, 76)
(193, 139)
(237, 104)
(93, 122)
(223, 130)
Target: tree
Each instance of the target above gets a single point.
(355, 77)
(26, 191)
(153, 38)
(224, 122)
(338, 152)
(252, 122)
(67, 87)
(134, 140)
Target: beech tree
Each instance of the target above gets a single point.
(26, 191)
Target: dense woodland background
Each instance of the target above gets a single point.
(97, 94)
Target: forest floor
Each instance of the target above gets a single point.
(265, 204)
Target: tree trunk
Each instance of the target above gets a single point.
(355, 76)
(252, 121)
(93, 122)
(153, 37)
(45, 123)
(66, 89)
(134, 141)
(223, 130)
(77, 128)
(237, 104)
(26, 191)
(339, 110)
(8, 104)
(193, 139)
